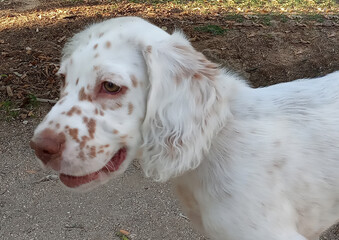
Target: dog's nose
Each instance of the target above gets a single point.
(48, 146)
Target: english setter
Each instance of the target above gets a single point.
(248, 164)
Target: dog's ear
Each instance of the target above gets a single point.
(182, 107)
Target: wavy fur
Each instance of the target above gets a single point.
(183, 100)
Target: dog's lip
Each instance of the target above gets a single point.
(112, 166)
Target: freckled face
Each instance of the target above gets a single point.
(99, 111)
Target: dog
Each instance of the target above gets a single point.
(247, 163)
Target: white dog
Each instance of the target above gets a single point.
(248, 164)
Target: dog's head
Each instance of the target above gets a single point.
(129, 87)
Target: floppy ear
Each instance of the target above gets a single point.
(183, 107)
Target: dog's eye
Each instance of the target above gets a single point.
(111, 87)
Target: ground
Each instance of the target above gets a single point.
(265, 49)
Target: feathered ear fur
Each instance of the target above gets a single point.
(183, 107)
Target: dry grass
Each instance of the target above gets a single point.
(163, 8)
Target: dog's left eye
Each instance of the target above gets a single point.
(111, 87)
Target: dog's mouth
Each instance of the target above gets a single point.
(112, 166)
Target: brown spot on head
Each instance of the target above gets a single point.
(134, 81)
(75, 110)
(50, 122)
(57, 126)
(96, 112)
(96, 55)
(91, 125)
(71, 62)
(85, 119)
(102, 113)
(77, 81)
(83, 96)
(95, 46)
(108, 44)
(96, 68)
(130, 108)
(101, 34)
(115, 131)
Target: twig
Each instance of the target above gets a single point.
(47, 178)
(183, 216)
(43, 100)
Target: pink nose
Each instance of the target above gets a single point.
(48, 147)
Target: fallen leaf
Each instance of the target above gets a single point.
(122, 231)
(9, 91)
(17, 74)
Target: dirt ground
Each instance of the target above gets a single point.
(265, 50)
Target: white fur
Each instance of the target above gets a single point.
(248, 163)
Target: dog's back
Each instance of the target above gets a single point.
(278, 158)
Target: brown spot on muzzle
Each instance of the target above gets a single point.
(73, 132)
(92, 152)
(91, 125)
